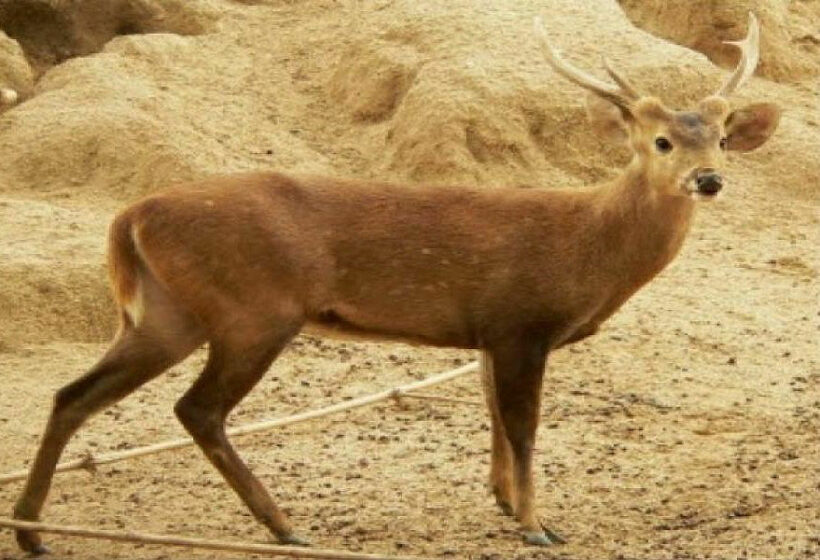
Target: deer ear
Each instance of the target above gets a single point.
(749, 127)
(607, 119)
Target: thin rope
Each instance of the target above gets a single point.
(89, 462)
(191, 542)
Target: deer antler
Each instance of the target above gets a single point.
(624, 84)
(623, 95)
(749, 54)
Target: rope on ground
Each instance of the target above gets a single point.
(190, 542)
(89, 462)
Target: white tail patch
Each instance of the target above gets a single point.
(135, 309)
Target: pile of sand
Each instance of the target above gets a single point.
(52, 31)
(790, 31)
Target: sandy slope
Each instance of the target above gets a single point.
(689, 428)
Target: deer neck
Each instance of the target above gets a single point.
(644, 229)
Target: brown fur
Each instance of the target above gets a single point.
(244, 262)
(436, 265)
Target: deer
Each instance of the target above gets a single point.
(244, 262)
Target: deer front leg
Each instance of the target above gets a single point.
(518, 370)
(501, 483)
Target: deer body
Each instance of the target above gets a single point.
(447, 266)
(245, 262)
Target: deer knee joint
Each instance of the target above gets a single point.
(65, 409)
(199, 421)
(68, 395)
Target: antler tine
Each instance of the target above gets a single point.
(749, 54)
(622, 97)
(624, 84)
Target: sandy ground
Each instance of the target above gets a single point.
(688, 428)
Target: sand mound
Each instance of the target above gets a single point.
(451, 110)
(790, 35)
(51, 31)
(52, 274)
(374, 79)
(123, 146)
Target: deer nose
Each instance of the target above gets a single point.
(709, 182)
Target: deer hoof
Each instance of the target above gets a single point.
(553, 536)
(30, 542)
(40, 550)
(293, 539)
(542, 538)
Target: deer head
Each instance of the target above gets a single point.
(678, 153)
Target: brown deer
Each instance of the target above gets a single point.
(244, 262)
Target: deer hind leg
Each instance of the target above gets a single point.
(501, 483)
(233, 368)
(164, 337)
(518, 370)
(136, 356)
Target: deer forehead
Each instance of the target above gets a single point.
(685, 129)
(692, 130)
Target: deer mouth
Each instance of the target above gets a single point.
(698, 195)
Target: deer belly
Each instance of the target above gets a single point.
(333, 324)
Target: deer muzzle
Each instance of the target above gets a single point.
(708, 183)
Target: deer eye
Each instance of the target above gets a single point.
(724, 143)
(664, 146)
